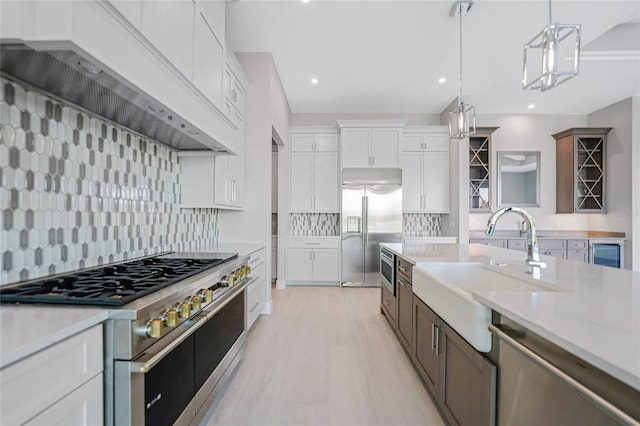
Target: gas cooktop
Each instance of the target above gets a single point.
(112, 285)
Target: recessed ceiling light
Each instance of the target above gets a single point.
(531, 106)
(314, 81)
(305, 1)
(442, 80)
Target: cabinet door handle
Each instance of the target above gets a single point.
(433, 333)
(437, 340)
(400, 282)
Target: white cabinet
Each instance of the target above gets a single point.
(169, 25)
(131, 10)
(257, 291)
(61, 384)
(232, 88)
(425, 173)
(370, 147)
(210, 181)
(214, 13)
(312, 260)
(208, 57)
(313, 173)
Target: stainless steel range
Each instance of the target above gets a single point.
(177, 328)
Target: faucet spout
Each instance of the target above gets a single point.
(533, 257)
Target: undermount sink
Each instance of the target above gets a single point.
(447, 287)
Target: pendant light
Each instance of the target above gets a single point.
(462, 119)
(556, 52)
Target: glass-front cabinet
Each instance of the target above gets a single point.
(580, 170)
(480, 169)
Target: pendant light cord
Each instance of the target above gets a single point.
(460, 11)
(550, 20)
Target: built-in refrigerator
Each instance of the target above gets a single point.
(371, 214)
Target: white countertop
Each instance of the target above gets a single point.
(596, 317)
(26, 329)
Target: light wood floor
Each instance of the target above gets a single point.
(325, 357)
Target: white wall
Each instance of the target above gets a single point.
(531, 133)
(619, 185)
(266, 108)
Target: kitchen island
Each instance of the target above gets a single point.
(589, 311)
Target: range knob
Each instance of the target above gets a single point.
(231, 280)
(154, 328)
(206, 295)
(171, 318)
(184, 309)
(195, 302)
(248, 269)
(239, 273)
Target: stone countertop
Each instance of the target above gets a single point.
(27, 329)
(595, 316)
(542, 234)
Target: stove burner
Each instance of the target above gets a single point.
(112, 285)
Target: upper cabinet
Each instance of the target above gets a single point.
(580, 170)
(480, 169)
(169, 26)
(313, 171)
(371, 143)
(208, 56)
(425, 170)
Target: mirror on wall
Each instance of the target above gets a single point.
(519, 178)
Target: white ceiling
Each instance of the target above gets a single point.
(387, 56)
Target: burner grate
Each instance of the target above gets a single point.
(112, 285)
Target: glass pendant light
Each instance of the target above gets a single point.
(556, 52)
(462, 119)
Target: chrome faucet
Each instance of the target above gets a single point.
(533, 258)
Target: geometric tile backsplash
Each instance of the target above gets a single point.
(421, 225)
(77, 191)
(315, 224)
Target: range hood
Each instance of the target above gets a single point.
(68, 76)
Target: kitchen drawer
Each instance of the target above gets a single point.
(257, 257)
(405, 268)
(255, 298)
(561, 254)
(552, 244)
(489, 242)
(260, 272)
(388, 305)
(578, 244)
(313, 243)
(578, 255)
(83, 406)
(517, 244)
(37, 382)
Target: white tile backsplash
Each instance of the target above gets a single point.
(77, 191)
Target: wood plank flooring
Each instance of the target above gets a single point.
(326, 356)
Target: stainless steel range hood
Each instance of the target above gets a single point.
(67, 75)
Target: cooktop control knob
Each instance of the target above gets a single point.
(248, 269)
(154, 328)
(170, 318)
(207, 295)
(195, 302)
(184, 309)
(231, 280)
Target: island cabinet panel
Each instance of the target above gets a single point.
(424, 356)
(461, 380)
(404, 296)
(388, 304)
(467, 395)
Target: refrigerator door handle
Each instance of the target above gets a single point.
(366, 221)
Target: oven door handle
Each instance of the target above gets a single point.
(147, 361)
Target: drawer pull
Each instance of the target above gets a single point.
(402, 269)
(401, 282)
(312, 244)
(254, 307)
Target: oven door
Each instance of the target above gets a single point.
(158, 386)
(171, 381)
(387, 270)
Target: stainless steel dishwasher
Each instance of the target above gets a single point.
(540, 383)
